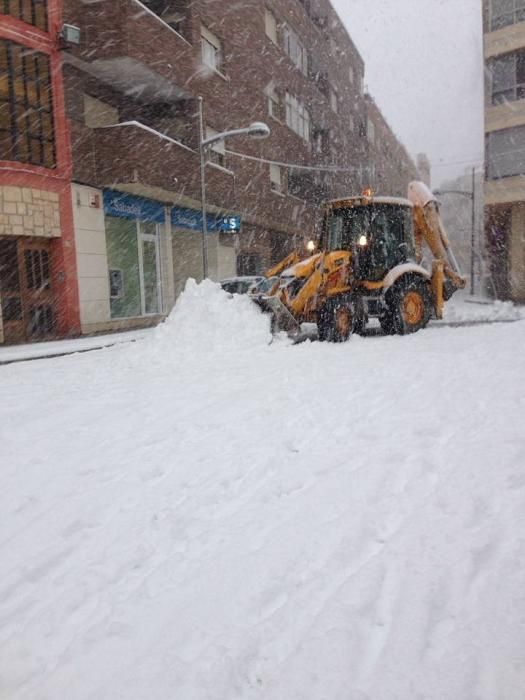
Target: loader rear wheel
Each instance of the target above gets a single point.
(335, 322)
(408, 308)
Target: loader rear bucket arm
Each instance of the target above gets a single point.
(428, 227)
(283, 264)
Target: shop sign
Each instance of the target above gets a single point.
(230, 224)
(181, 217)
(128, 206)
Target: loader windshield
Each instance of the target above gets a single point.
(345, 226)
(385, 225)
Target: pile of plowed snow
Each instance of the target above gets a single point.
(461, 310)
(206, 318)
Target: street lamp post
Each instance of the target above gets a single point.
(472, 196)
(257, 130)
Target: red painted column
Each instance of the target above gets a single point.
(58, 179)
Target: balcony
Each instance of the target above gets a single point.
(126, 45)
(134, 158)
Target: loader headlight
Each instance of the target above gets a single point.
(363, 240)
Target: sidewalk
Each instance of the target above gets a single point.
(57, 348)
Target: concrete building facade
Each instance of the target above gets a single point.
(504, 54)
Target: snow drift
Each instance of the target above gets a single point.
(206, 318)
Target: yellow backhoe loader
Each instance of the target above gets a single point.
(369, 264)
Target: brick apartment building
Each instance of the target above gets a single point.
(126, 132)
(389, 165)
(504, 48)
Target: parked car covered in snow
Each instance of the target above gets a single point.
(241, 285)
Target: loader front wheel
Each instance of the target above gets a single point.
(409, 307)
(335, 322)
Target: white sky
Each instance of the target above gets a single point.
(424, 67)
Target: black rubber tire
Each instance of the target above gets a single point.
(387, 323)
(327, 328)
(393, 321)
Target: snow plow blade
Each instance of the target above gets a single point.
(282, 319)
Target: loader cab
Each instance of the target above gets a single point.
(377, 231)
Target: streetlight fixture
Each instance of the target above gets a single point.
(472, 196)
(257, 130)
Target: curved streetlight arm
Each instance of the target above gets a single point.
(257, 129)
(225, 134)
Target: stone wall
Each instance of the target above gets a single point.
(26, 211)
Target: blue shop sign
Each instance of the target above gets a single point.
(230, 224)
(128, 206)
(181, 217)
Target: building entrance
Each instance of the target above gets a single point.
(28, 305)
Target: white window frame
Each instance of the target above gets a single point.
(371, 131)
(211, 50)
(294, 49)
(152, 238)
(216, 153)
(273, 101)
(351, 74)
(270, 25)
(298, 117)
(334, 100)
(276, 178)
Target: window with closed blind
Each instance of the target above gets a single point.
(31, 11)
(26, 106)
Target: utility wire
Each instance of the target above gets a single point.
(334, 168)
(295, 166)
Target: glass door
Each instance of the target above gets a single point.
(150, 272)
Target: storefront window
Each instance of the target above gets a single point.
(123, 263)
(26, 106)
(133, 230)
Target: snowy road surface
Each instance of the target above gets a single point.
(204, 516)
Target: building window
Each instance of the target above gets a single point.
(371, 131)
(295, 49)
(506, 12)
(274, 103)
(276, 180)
(134, 267)
(173, 12)
(321, 140)
(217, 151)
(31, 11)
(508, 77)
(351, 76)
(297, 117)
(249, 264)
(506, 153)
(26, 107)
(300, 184)
(211, 50)
(270, 24)
(351, 124)
(334, 100)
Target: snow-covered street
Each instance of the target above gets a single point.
(205, 515)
